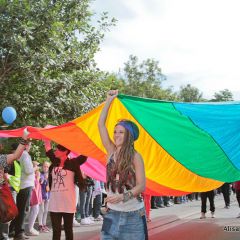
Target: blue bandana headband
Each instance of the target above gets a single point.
(131, 127)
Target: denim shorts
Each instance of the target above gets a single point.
(124, 225)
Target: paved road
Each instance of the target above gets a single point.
(179, 222)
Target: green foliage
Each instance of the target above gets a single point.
(189, 93)
(141, 79)
(222, 96)
(47, 68)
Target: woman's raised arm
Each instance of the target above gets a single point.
(107, 143)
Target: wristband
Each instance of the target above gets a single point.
(127, 196)
(23, 141)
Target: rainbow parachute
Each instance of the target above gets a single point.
(186, 147)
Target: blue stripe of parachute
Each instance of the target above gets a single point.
(221, 121)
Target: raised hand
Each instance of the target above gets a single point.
(25, 134)
(47, 144)
(112, 94)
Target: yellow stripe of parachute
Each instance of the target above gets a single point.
(160, 167)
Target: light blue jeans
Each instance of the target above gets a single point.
(124, 225)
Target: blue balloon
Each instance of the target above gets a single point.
(9, 115)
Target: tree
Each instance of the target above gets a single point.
(142, 79)
(47, 67)
(222, 96)
(189, 93)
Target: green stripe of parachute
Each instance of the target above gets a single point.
(181, 138)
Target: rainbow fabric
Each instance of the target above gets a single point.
(186, 147)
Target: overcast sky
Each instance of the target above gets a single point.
(195, 41)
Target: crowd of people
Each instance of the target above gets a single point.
(59, 189)
(30, 182)
(156, 202)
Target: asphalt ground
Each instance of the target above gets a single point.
(178, 222)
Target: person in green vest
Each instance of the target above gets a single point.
(14, 180)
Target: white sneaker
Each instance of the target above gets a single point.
(91, 220)
(85, 221)
(32, 232)
(76, 223)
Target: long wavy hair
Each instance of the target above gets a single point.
(124, 159)
(123, 166)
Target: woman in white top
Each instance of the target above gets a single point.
(125, 217)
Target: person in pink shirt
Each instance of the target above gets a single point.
(35, 201)
(43, 208)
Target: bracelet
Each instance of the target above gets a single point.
(131, 194)
(23, 141)
(127, 196)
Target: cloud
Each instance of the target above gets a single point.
(114, 8)
(195, 42)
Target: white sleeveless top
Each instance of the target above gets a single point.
(128, 206)
(62, 195)
(131, 205)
